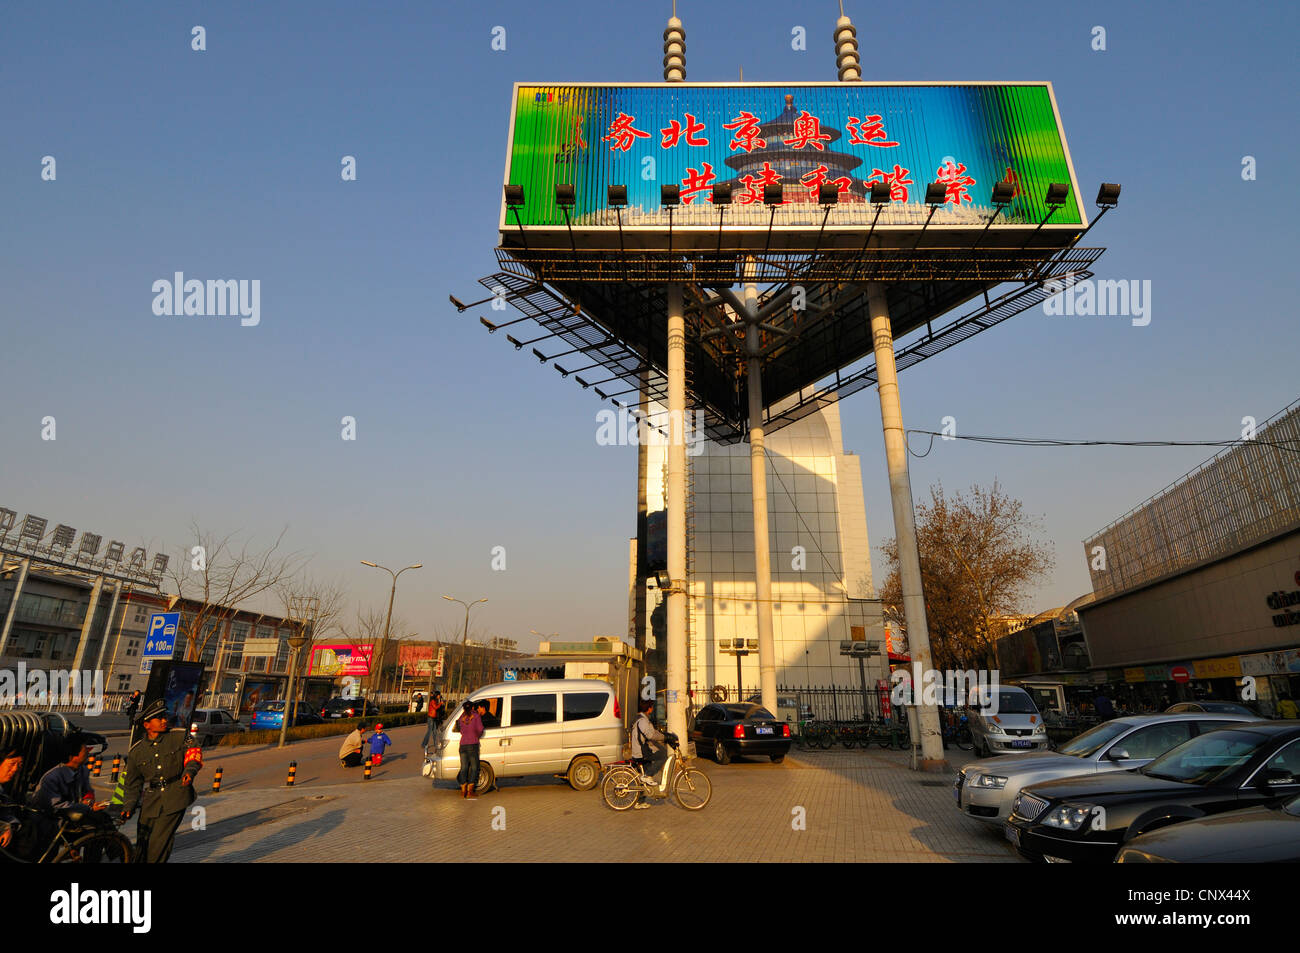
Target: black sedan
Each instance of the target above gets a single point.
(740, 728)
(1256, 835)
(1090, 818)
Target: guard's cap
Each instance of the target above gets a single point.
(156, 709)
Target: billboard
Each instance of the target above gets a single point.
(967, 136)
(420, 659)
(345, 659)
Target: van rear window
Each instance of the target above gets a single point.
(580, 705)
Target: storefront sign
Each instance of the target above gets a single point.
(1229, 667)
(1284, 662)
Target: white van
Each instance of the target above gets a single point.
(569, 727)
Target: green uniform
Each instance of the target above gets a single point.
(154, 769)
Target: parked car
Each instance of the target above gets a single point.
(985, 789)
(1090, 818)
(210, 725)
(348, 708)
(270, 714)
(568, 727)
(740, 728)
(788, 707)
(1223, 708)
(1252, 835)
(1010, 724)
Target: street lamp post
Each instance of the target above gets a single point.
(464, 639)
(392, 593)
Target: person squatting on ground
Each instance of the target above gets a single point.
(647, 755)
(350, 752)
(378, 742)
(471, 730)
(161, 766)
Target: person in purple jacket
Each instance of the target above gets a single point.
(471, 730)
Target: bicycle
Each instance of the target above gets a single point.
(83, 836)
(957, 730)
(625, 784)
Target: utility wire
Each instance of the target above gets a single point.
(1292, 446)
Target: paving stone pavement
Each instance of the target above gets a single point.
(858, 806)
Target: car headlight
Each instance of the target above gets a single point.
(993, 728)
(1040, 729)
(995, 781)
(1069, 817)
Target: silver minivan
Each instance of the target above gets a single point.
(569, 727)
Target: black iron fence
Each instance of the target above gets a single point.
(814, 703)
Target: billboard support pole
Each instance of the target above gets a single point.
(676, 506)
(758, 486)
(900, 492)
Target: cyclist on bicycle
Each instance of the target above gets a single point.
(649, 745)
(68, 784)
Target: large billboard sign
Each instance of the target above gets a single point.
(967, 136)
(340, 660)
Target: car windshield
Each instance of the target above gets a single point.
(1207, 758)
(271, 706)
(1013, 703)
(1094, 739)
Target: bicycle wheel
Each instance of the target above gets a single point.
(103, 847)
(692, 789)
(620, 789)
(847, 738)
(964, 740)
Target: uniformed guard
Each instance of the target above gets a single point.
(161, 765)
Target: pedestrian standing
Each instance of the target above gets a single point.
(378, 742)
(1286, 707)
(471, 731)
(160, 771)
(132, 706)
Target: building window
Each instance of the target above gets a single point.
(132, 647)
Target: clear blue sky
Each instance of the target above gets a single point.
(225, 163)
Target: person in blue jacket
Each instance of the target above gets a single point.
(378, 742)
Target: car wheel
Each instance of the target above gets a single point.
(778, 758)
(720, 753)
(486, 778)
(584, 773)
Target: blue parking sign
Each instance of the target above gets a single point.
(160, 642)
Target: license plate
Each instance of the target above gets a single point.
(1012, 834)
(1021, 744)
(764, 730)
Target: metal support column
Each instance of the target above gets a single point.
(88, 622)
(900, 492)
(758, 485)
(23, 567)
(108, 627)
(676, 505)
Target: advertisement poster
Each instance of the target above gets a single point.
(341, 659)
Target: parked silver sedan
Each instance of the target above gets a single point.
(985, 789)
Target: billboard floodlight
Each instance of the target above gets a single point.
(519, 346)
(617, 196)
(1003, 193)
(514, 196)
(539, 355)
(114, 552)
(1108, 195)
(880, 193)
(828, 193)
(1057, 193)
(565, 195)
(670, 195)
(584, 384)
(772, 194)
(722, 194)
(487, 324)
(563, 372)
(936, 193)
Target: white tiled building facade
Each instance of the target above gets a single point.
(821, 568)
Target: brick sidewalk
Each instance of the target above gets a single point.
(859, 806)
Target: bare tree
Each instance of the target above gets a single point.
(979, 553)
(217, 576)
(329, 601)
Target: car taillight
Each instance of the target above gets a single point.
(738, 731)
(618, 712)
(194, 727)
(785, 731)
(351, 712)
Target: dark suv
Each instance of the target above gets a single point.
(348, 708)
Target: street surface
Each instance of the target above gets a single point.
(856, 805)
